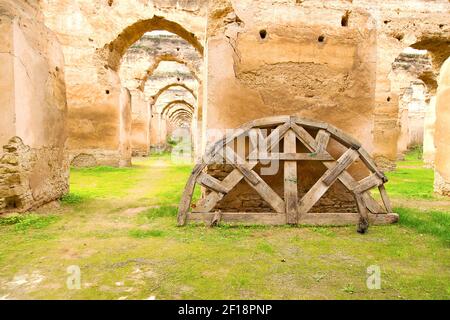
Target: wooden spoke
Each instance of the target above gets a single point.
(342, 164)
(212, 183)
(293, 157)
(368, 183)
(305, 138)
(324, 183)
(187, 194)
(322, 140)
(290, 179)
(385, 198)
(256, 182)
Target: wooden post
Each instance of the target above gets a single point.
(290, 179)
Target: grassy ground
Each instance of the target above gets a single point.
(119, 227)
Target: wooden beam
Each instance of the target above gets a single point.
(368, 183)
(363, 223)
(209, 202)
(322, 140)
(303, 135)
(344, 138)
(292, 156)
(186, 198)
(385, 198)
(368, 161)
(246, 170)
(290, 179)
(309, 123)
(342, 164)
(320, 187)
(310, 219)
(212, 183)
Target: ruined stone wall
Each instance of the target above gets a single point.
(442, 133)
(269, 58)
(95, 35)
(33, 165)
(429, 148)
(140, 127)
(407, 71)
(420, 24)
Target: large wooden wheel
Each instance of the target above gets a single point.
(288, 131)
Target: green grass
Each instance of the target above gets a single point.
(411, 183)
(119, 227)
(28, 221)
(140, 234)
(436, 223)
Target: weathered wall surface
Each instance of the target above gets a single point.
(95, 35)
(429, 148)
(267, 58)
(33, 166)
(407, 70)
(140, 127)
(442, 133)
(270, 58)
(420, 24)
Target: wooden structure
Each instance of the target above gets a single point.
(287, 132)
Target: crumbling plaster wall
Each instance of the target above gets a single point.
(95, 35)
(414, 95)
(269, 58)
(421, 24)
(33, 166)
(343, 80)
(442, 132)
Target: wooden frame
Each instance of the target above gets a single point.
(290, 209)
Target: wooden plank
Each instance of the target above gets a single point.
(272, 140)
(270, 121)
(344, 138)
(186, 198)
(303, 135)
(312, 196)
(363, 223)
(368, 183)
(241, 218)
(209, 202)
(385, 198)
(264, 190)
(217, 147)
(292, 157)
(212, 183)
(372, 205)
(246, 170)
(255, 138)
(311, 219)
(320, 187)
(322, 140)
(342, 164)
(350, 183)
(309, 123)
(216, 219)
(290, 179)
(345, 219)
(368, 161)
